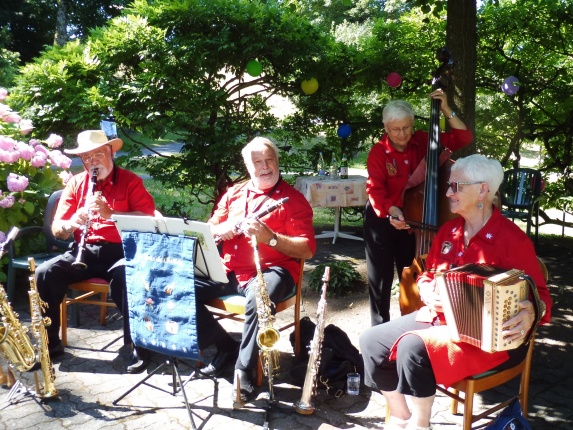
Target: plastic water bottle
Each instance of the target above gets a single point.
(321, 166)
(344, 168)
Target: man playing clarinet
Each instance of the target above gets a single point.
(84, 212)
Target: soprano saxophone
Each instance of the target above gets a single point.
(304, 406)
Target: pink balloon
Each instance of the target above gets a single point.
(510, 86)
(394, 79)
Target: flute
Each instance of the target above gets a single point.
(79, 263)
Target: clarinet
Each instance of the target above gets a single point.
(304, 406)
(256, 215)
(79, 263)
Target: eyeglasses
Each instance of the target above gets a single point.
(455, 186)
(405, 129)
(98, 156)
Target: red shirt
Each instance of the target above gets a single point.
(124, 192)
(389, 169)
(293, 218)
(499, 243)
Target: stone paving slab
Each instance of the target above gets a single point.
(90, 376)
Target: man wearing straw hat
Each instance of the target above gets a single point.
(84, 212)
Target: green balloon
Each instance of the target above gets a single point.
(254, 68)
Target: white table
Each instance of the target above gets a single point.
(333, 193)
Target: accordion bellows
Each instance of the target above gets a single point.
(477, 299)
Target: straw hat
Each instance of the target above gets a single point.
(93, 139)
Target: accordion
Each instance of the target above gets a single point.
(477, 299)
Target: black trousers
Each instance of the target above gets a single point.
(279, 284)
(386, 248)
(54, 276)
(411, 374)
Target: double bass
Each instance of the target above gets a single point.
(425, 207)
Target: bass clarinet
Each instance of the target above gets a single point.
(79, 263)
(304, 406)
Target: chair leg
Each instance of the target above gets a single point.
(103, 309)
(469, 405)
(64, 321)
(259, 380)
(454, 405)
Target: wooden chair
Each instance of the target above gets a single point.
(485, 381)
(233, 307)
(93, 291)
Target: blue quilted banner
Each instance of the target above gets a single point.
(160, 283)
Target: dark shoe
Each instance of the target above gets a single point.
(138, 361)
(55, 348)
(247, 390)
(220, 362)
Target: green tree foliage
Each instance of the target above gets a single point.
(534, 44)
(31, 24)
(182, 69)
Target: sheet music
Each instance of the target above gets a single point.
(208, 263)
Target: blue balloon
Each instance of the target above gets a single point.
(344, 131)
(510, 86)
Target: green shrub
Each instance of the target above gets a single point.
(344, 279)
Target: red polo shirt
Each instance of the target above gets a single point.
(124, 192)
(294, 218)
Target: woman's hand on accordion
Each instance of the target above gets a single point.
(517, 327)
(430, 297)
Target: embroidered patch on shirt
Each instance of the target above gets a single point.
(446, 247)
(391, 169)
(489, 236)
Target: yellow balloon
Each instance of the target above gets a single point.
(309, 86)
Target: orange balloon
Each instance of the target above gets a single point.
(309, 86)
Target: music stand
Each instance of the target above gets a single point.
(162, 256)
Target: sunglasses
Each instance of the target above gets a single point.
(455, 186)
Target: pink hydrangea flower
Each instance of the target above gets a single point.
(42, 149)
(7, 202)
(17, 183)
(12, 117)
(26, 151)
(39, 159)
(4, 110)
(3, 94)
(26, 126)
(65, 176)
(54, 141)
(60, 160)
(34, 142)
(10, 156)
(7, 143)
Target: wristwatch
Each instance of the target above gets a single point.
(273, 242)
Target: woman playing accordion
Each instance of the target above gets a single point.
(408, 356)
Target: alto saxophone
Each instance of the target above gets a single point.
(267, 336)
(15, 342)
(304, 406)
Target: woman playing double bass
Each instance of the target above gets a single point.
(390, 163)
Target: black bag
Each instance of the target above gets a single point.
(511, 418)
(338, 358)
